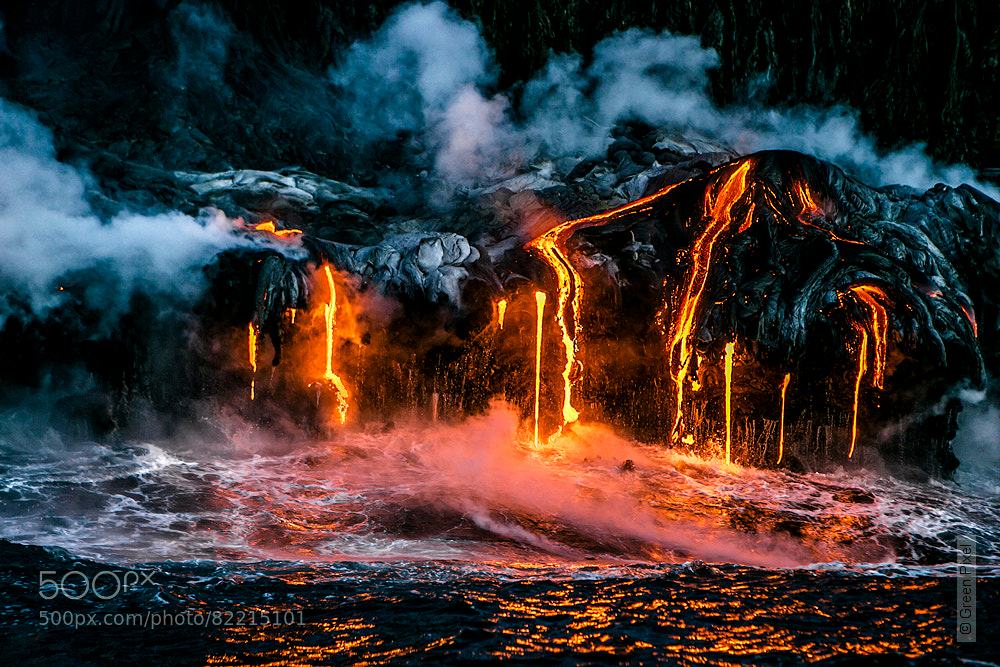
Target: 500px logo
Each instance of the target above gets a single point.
(104, 585)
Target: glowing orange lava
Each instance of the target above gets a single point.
(810, 211)
(330, 316)
(781, 427)
(719, 202)
(872, 298)
(570, 288)
(862, 367)
(540, 312)
(252, 344)
(552, 247)
(809, 207)
(971, 316)
(730, 349)
(270, 228)
(501, 312)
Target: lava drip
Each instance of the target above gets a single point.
(730, 349)
(718, 213)
(330, 317)
(501, 312)
(870, 296)
(552, 247)
(252, 345)
(540, 312)
(570, 289)
(862, 367)
(781, 424)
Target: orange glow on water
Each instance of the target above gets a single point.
(539, 314)
(730, 349)
(718, 212)
(252, 345)
(330, 317)
(872, 298)
(862, 367)
(501, 312)
(781, 427)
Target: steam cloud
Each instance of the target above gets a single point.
(427, 72)
(49, 233)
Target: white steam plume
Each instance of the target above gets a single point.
(428, 72)
(48, 232)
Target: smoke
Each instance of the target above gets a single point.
(424, 73)
(977, 444)
(49, 234)
(202, 36)
(429, 74)
(576, 491)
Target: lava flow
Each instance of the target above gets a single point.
(330, 317)
(252, 344)
(540, 312)
(781, 425)
(269, 227)
(718, 212)
(862, 367)
(552, 247)
(501, 312)
(870, 296)
(730, 349)
(570, 289)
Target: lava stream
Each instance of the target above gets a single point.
(718, 213)
(862, 367)
(501, 312)
(781, 426)
(552, 247)
(869, 295)
(540, 312)
(330, 316)
(252, 344)
(730, 349)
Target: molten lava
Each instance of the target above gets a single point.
(730, 349)
(270, 228)
(719, 202)
(872, 298)
(862, 367)
(330, 317)
(570, 287)
(810, 211)
(252, 344)
(552, 247)
(781, 426)
(540, 312)
(501, 312)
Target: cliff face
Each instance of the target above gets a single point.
(917, 70)
(684, 256)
